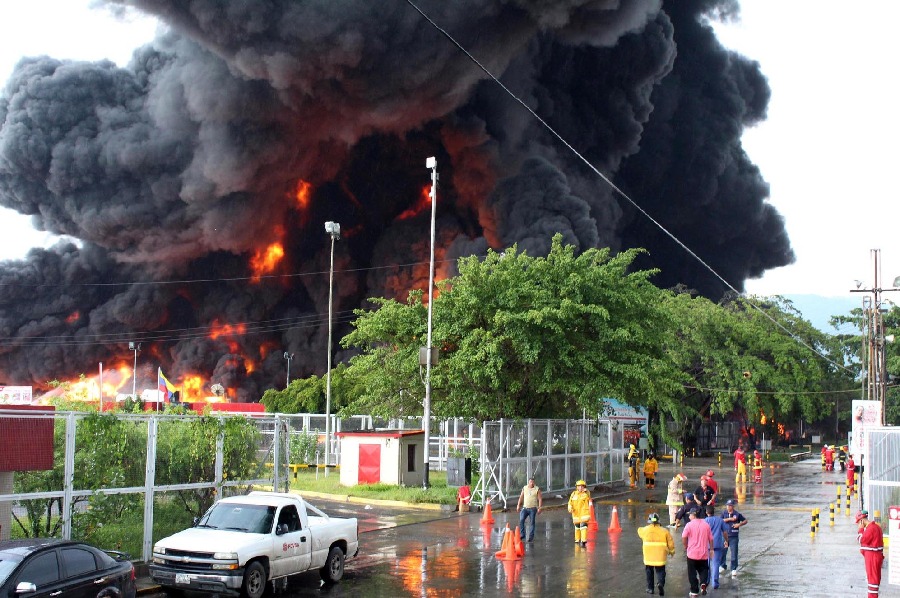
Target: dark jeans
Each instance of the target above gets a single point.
(733, 543)
(698, 572)
(660, 575)
(524, 514)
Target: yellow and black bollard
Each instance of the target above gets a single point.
(720, 460)
(817, 519)
(848, 501)
(831, 514)
(839, 495)
(812, 524)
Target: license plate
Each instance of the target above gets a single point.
(182, 578)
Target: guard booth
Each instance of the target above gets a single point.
(387, 456)
(26, 444)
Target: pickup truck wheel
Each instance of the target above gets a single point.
(254, 581)
(333, 570)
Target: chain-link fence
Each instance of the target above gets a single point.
(557, 452)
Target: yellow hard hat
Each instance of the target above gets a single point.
(581, 483)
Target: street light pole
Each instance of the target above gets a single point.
(334, 231)
(426, 416)
(289, 357)
(136, 347)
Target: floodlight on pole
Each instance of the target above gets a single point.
(136, 347)
(430, 163)
(333, 229)
(289, 357)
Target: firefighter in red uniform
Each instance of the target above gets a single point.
(829, 458)
(871, 545)
(757, 467)
(740, 465)
(851, 472)
(711, 482)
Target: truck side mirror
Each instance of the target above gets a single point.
(282, 528)
(195, 521)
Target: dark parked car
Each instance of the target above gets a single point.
(38, 567)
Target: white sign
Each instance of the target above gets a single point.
(865, 415)
(894, 537)
(15, 395)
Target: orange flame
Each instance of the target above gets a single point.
(265, 261)
(423, 204)
(191, 388)
(73, 317)
(228, 331)
(302, 194)
(762, 418)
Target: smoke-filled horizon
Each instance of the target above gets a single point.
(223, 147)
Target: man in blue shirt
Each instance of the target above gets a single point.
(720, 544)
(734, 522)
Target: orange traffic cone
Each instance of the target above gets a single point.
(592, 522)
(518, 547)
(614, 522)
(506, 545)
(486, 517)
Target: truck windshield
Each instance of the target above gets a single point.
(254, 519)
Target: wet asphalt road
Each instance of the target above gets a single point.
(413, 552)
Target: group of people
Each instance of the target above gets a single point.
(829, 453)
(706, 538)
(740, 465)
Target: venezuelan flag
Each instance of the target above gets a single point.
(164, 386)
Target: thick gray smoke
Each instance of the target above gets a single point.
(186, 165)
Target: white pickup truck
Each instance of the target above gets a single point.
(243, 543)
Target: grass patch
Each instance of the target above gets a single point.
(438, 493)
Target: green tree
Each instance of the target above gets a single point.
(519, 337)
(737, 358)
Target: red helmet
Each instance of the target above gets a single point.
(710, 473)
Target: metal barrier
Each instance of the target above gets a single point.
(556, 452)
(881, 471)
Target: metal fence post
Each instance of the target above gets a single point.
(220, 460)
(68, 477)
(149, 483)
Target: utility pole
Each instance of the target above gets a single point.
(876, 372)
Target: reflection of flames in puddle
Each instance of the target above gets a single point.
(416, 570)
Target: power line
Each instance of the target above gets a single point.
(618, 191)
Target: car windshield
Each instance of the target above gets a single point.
(6, 569)
(254, 519)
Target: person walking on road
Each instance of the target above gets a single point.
(651, 465)
(682, 515)
(580, 506)
(871, 545)
(704, 494)
(711, 482)
(740, 465)
(634, 462)
(698, 540)
(734, 522)
(720, 544)
(757, 466)
(675, 496)
(530, 504)
(851, 473)
(658, 544)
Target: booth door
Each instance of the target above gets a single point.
(369, 463)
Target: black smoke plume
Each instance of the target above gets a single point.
(187, 165)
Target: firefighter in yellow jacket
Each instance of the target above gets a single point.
(634, 464)
(658, 544)
(651, 466)
(580, 506)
